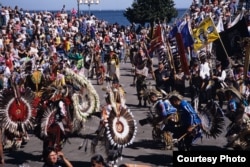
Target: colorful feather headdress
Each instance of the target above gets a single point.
(85, 102)
(16, 113)
(120, 125)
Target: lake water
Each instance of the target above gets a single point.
(116, 16)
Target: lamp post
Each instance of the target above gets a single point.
(78, 7)
(91, 2)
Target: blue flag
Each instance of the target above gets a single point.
(186, 36)
(173, 32)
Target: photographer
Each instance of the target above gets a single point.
(55, 159)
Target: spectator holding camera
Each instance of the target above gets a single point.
(55, 159)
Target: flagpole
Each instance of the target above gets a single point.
(230, 63)
(170, 56)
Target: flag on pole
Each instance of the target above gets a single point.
(204, 34)
(156, 39)
(173, 32)
(180, 25)
(176, 29)
(186, 36)
(184, 39)
(230, 38)
(183, 28)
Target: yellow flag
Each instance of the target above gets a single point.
(204, 34)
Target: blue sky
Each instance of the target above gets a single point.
(57, 4)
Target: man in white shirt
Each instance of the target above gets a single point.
(205, 76)
(204, 68)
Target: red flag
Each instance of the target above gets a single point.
(156, 39)
(181, 49)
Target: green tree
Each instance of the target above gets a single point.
(149, 11)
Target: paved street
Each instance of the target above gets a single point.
(142, 151)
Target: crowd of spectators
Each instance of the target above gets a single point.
(38, 36)
(227, 9)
